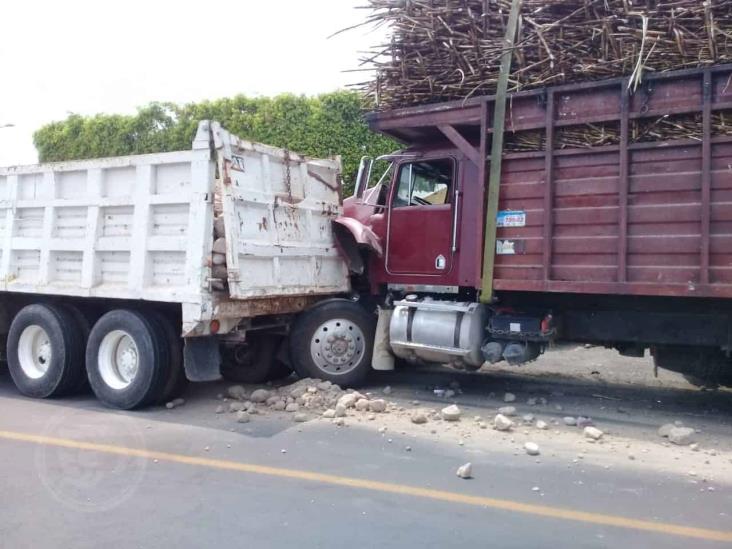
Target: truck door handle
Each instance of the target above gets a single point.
(455, 222)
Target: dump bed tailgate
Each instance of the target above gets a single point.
(278, 209)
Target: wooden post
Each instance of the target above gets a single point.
(494, 183)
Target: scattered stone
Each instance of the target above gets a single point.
(541, 424)
(272, 400)
(348, 400)
(631, 457)
(695, 447)
(237, 407)
(280, 405)
(509, 397)
(300, 417)
(528, 418)
(260, 395)
(382, 430)
(502, 423)
(593, 433)
(340, 410)
(408, 449)
(665, 430)
(243, 417)
(329, 413)
(419, 418)
(371, 417)
(532, 448)
(507, 410)
(207, 449)
(681, 435)
(237, 391)
(536, 489)
(465, 471)
(570, 421)
(377, 406)
(449, 393)
(339, 422)
(220, 409)
(387, 390)
(583, 422)
(362, 405)
(292, 407)
(451, 413)
(175, 403)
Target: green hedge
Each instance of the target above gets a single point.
(324, 125)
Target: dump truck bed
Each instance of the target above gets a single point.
(141, 227)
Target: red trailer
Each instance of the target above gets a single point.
(627, 244)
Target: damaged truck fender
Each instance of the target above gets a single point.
(351, 236)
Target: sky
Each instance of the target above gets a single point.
(78, 56)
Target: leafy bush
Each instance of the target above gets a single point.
(328, 124)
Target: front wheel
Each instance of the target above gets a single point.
(333, 341)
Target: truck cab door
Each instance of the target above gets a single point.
(421, 220)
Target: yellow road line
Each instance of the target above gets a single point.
(386, 487)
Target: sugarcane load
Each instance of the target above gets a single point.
(439, 50)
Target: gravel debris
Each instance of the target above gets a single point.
(507, 410)
(465, 471)
(419, 418)
(387, 390)
(541, 424)
(175, 403)
(243, 417)
(509, 397)
(502, 423)
(260, 395)
(570, 421)
(593, 433)
(237, 392)
(377, 406)
(300, 417)
(682, 436)
(532, 448)
(451, 413)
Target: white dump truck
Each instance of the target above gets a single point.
(134, 274)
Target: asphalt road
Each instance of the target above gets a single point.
(77, 475)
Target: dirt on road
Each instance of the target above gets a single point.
(578, 405)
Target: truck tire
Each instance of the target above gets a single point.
(333, 341)
(254, 362)
(176, 382)
(45, 357)
(127, 359)
(83, 322)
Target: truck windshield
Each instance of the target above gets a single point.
(425, 183)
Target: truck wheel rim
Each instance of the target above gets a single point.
(337, 346)
(118, 359)
(34, 352)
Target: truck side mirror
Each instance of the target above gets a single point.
(363, 177)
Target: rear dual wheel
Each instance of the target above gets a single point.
(45, 357)
(133, 359)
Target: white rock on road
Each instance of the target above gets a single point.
(682, 436)
(593, 433)
(665, 430)
(570, 421)
(300, 417)
(509, 397)
(237, 391)
(419, 418)
(260, 395)
(465, 471)
(329, 413)
(377, 406)
(362, 405)
(507, 410)
(451, 413)
(349, 400)
(340, 410)
(532, 448)
(502, 423)
(541, 424)
(243, 417)
(292, 407)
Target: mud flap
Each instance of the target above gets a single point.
(202, 359)
(383, 359)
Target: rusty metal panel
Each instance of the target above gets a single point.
(278, 210)
(649, 218)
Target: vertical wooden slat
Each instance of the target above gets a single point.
(706, 183)
(549, 187)
(623, 184)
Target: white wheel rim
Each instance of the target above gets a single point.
(337, 346)
(118, 359)
(34, 351)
